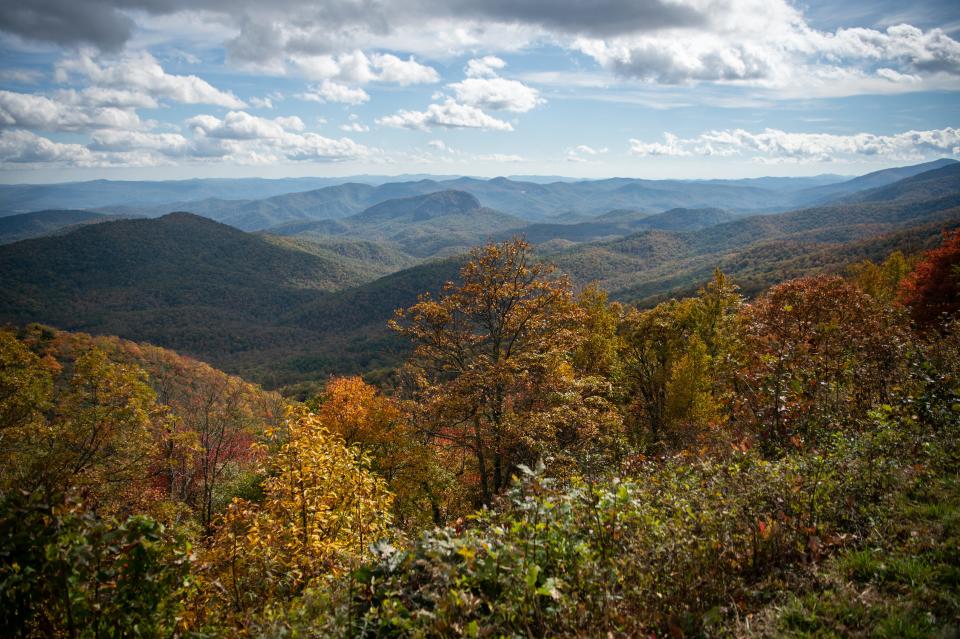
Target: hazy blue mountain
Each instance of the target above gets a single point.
(259, 204)
(935, 183)
(655, 262)
(619, 223)
(424, 226)
(22, 198)
(823, 194)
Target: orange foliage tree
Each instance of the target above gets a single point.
(492, 371)
(932, 290)
(817, 353)
(380, 428)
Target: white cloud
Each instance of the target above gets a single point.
(27, 110)
(330, 91)
(24, 147)
(769, 44)
(247, 139)
(449, 115)
(392, 69)
(170, 144)
(356, 67)
(576, 153)
(485, 67)
(141, 72)
(499, 157)
(670, 146)
(497, 93)
(589, 150)
(260, 103)
(777, 146)
(354, 127)
(240, 125)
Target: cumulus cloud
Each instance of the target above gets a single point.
(354, 127)
(330, 91)
(390, 68)
(24, 147)
(141, 72)
(767, 43)
(249, 139)
(169, 144)
(72, 113)
(450, 114)
(770, 44)
(670, 146)
(356, 67)
(485, 67)
(777, 146)
(240, 125)
(497, 93)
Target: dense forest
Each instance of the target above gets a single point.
(545, 462)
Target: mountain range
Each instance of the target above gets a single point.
(312, 298)
(253, 205)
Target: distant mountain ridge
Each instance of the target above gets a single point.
(429, 225)
(39, 223)
(259, 204)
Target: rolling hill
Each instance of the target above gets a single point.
(282, 309)
(650, 264)
(14, 228)
(247, 303)
(260, 204)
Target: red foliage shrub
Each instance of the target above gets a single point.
(932, 290)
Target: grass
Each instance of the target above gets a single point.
(902, 582)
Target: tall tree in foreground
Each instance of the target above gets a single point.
(379, 427)
(491, 366)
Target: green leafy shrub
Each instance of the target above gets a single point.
(662, 551)
(66, 572)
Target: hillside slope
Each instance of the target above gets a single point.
(648, 264)
(24, 226)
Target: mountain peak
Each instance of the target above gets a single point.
(423, 207)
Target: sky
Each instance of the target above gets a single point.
(174, 89)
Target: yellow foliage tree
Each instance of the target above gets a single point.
(84, 429)
(321, 511)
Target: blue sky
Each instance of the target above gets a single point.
(163, 89)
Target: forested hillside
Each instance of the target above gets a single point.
(283, 310)
(14, 228)
(548, 463)
(651, 265)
